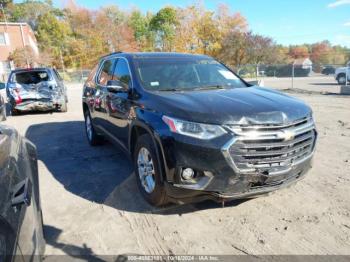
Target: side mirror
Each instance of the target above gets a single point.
(115, 86)
(2, 85)
(256, 83)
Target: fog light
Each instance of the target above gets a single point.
(187, 173)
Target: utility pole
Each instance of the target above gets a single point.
(3, 13)
(62, 62)
(293, 74)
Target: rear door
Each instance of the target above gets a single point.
(60, 83)
(100, 107)
(119, 103)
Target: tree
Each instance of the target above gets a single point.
(186, 39)
(114, 30)
(233, 51)
(23, 57)
(229, 22)
(164, 25)
(140, 25)
(296, 52)
(30, 11)
(260, 49)
(52, 35)
(239, 48)
(208, 33)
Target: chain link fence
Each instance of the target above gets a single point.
(299, 75)
(74, 75)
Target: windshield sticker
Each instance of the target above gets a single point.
(228, 75)
(154, 83)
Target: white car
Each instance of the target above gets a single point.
(342, 73)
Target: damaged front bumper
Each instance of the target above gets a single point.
(227, 186)
(238, 167)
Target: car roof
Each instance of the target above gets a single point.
(156, 55)
(30, 69)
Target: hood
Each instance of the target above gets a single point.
(340, 69)
(243, 106)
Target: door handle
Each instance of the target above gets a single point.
(21, 193)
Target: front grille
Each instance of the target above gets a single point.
(270, 148)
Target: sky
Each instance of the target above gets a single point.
(286, 21)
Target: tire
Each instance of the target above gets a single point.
(93, 138)
(341, 79)
(145, 152)
(3, 113)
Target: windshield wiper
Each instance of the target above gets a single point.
(169, 89)
(209, 87)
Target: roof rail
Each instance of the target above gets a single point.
(118, 52)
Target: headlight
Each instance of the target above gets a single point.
(197, 130)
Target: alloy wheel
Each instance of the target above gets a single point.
(88, 126)
(146, 170)
(341, 80)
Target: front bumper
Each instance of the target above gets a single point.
(243, 190)
(224, 182)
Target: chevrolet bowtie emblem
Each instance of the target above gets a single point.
(288, 135)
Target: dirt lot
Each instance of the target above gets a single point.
(91, 204)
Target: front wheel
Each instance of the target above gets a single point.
(147, 172)
(341, 79)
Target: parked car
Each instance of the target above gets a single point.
(2, 104)
(21, 225)
(342, 73)
(36, 89)
(328, 70)
(194, 129)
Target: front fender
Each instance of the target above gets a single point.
(153, 124)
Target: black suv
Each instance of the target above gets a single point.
(194, 129)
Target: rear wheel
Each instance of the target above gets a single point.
(341, 79)
(93, 138)
(147, 172)
(3, 113)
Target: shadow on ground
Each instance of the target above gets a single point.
(325, 84)
(102, 174)
(9, 113)
(83, 253)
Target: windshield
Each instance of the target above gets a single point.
(185, 73)
(30, 77)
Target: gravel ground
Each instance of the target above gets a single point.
(91, 204)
